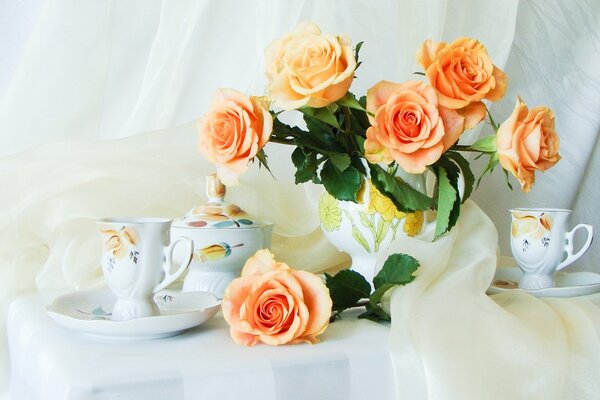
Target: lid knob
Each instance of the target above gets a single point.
(215, 190)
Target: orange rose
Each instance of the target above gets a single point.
(308, 68)
(274, 304)
(527, 142)
(235, 128)
(408, 125)
(463, 74)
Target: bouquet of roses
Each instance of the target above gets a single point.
(413, 125)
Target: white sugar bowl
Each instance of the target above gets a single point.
(224, 238)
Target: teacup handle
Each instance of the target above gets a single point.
(569, 246)
(170, 277)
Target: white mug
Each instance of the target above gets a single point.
(137, 262)
(539, 242)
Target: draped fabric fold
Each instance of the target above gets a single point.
(449, 340)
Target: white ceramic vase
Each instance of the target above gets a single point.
(365, 229)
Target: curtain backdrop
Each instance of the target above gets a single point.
(98, 100)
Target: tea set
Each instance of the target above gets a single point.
(211, 242)
(143, 257)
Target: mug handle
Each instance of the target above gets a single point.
(569, 246)
(170, 277)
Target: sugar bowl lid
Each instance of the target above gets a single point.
(217, 213)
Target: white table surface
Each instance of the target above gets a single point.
(50, 362)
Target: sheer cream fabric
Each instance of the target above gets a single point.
(450, 340)
(139, 72)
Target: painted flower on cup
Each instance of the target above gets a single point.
(408, 126)
(309, 68)
(233, 131)
(275, 304)
(118, 242)
(530, 226)
(463, 74)
(527, 142)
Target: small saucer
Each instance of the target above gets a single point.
(568, 284)
(89, 312)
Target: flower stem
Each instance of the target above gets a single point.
(495, 125)
(459, 147)
(289, 142)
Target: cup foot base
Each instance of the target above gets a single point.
(126, 309)
(535, 282)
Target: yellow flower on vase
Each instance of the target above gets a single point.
(413, 223)
(378, 203)
(329, 212)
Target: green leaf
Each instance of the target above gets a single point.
(284, 131)
(341, 185)
(486, 144)
(404, 197)
(325, 115)
(379, 292)
(320, 136)
(468, 176)
(306, 165)
(340, 160)
(494, 160)
(357, 50)
(357, 163)
(376, 314)
(262, 161)
(346, 288)
(447, 196)
(508, 179)
(350, 101)
(398, 269)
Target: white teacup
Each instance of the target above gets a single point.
(137, 262)
(539, 240)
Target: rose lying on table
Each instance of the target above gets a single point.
(275, 304)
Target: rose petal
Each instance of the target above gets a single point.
(260, 263)
(500, 87)
(473, 114)
(378, 96)
(415, 163)
(235, 294)
(245, 339)
(428, 52)
(453, 126)
(317, 300)
(375, 151)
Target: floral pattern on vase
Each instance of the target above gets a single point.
(363, 230)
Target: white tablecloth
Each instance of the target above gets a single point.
(50, 362)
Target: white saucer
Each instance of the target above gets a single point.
(568, 284)
(89, 312)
